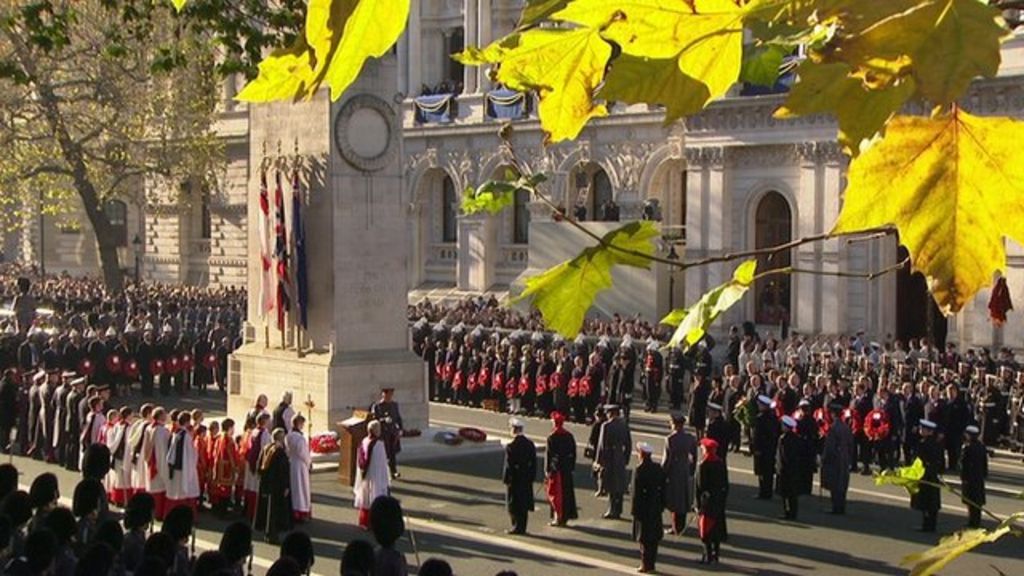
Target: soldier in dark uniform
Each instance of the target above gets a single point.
(613, 448)
(654, 367)
(764, 445)
(929, 497)
(791, 462)
(386, 411)
(699, 395)
(8, 408)
(145, 353)
(29, 442)
(956, 417)
(163, 350)
(203, 374)
(73, 423)
(96, 352)
(620, 383)
(519, 474)
(648, 504)
(60, 407)
(676, 378)
(718, 429)
(973, 471)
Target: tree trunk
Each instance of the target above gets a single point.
(113, 276)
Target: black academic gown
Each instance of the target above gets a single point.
(274, 510)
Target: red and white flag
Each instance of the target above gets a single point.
(267, 291)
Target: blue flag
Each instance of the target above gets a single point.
(299, 235)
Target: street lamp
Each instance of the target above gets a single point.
(137, 249)
(673, 256)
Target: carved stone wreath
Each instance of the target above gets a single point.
(350, 149)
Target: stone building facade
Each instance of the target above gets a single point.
(730, 179)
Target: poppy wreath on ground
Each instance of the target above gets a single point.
(86, 367)
(448, 438)
(326, 443)
(473, 434)
(114, 364)
(876, 425)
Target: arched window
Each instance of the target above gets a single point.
(773, 225)
(521, 218)
(600, 194)
(449, 205)
(117, 215)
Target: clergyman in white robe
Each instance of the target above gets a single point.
(155, 460)
(373, 478)
(299, 459)
(183, 471)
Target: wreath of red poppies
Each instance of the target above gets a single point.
(472, 434)
(823, 420)
(876, 425)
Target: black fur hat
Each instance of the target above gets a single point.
(88, 497)
(18, 507)
(162, 546)
(236, 543)
(285, 566)
(178, 523)
(386, 520)
(110, 533)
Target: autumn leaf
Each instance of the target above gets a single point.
(704, 36)
(861, 112)
(370, 31)
(761, 66)
(283, 75)
(179, 5)
(564, 67)
(494, 196)
(537, 10)
(339, 36)
(908, 477)
(692, 324)
(944, 43)
(950, 548)
(953, 187)
(634, 79)
(565, 292)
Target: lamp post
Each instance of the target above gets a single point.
(673, 256)
(42, 237)
(137, 250)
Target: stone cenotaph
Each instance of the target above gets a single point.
(356, 341)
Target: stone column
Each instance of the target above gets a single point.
(478, 252)
(414, 42)
(806, 288)
(696, 278)
(470, 25)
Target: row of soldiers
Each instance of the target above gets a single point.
(535, 375)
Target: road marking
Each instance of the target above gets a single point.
(519, 545)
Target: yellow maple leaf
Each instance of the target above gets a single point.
(283, 75)
(831, 87)
(704, 36)
(179, 5)
(634, 79)
(372, 27)
(948, 42)
(564, 67)
(953, 187)
(950, 548)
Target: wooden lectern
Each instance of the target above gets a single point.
(350, 434)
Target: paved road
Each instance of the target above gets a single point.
(456, 510)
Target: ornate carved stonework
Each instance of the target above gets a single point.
(366, 152)
(705, 156)
(627, 160)
(761, 156)
(820, 152)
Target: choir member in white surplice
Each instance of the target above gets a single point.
(300, 461)
(373, 478)
(154, 450)
(182, 466)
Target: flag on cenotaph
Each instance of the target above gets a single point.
(266, 301)
(299, 237)
(281, 254)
